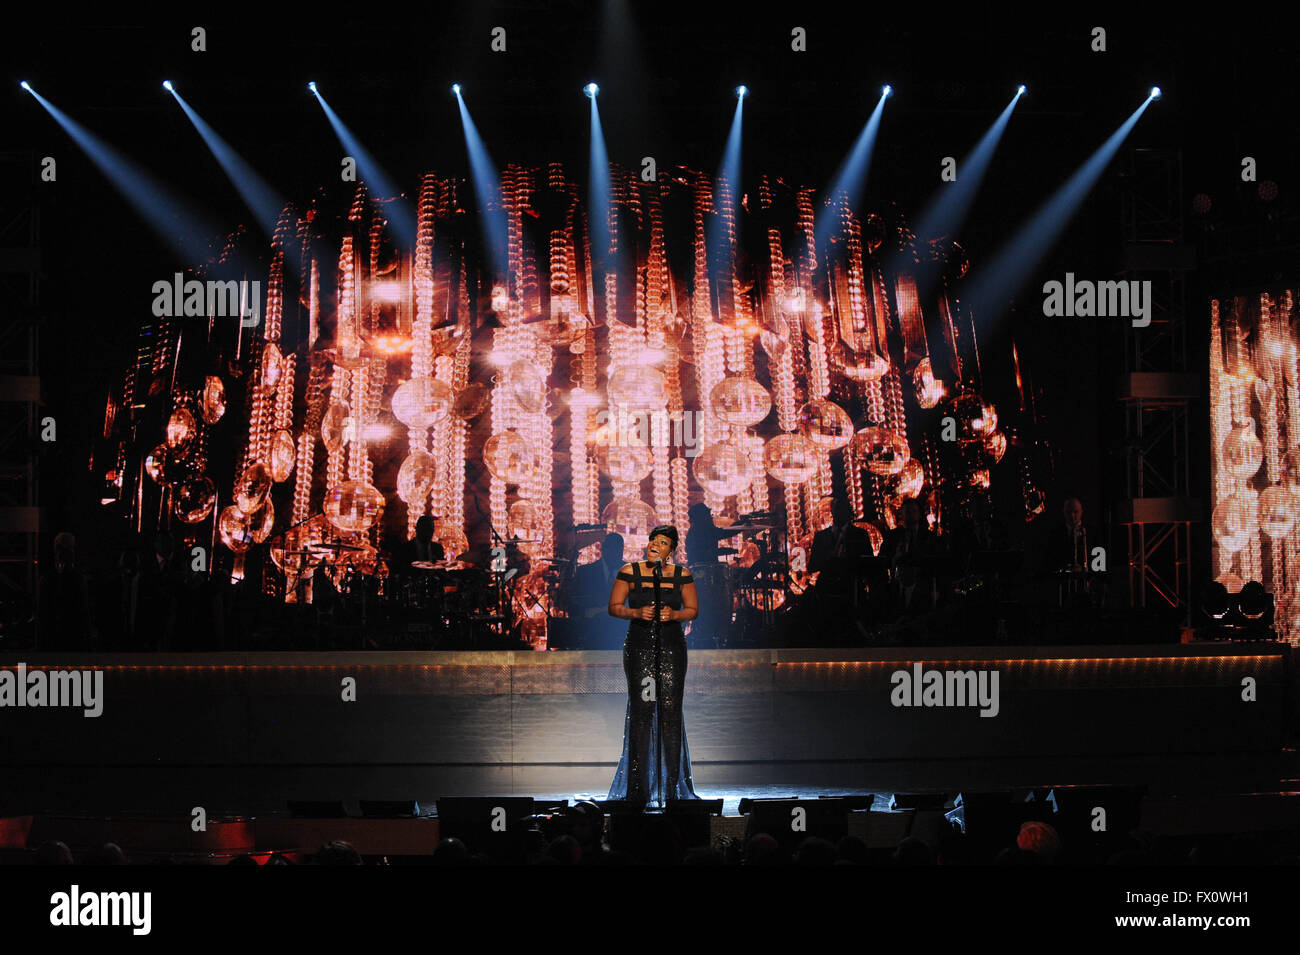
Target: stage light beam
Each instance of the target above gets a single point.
(1002, 277)
(487, 190)
(591, 89)
(455, 89)
(25, 85)
(380, 185)
(728, 179)
(311, 87)
(947, 211)
(851, 178)
(599, 188)
(173, 219)
(1156, 93)
(260, 198)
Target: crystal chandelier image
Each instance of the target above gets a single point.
(1255, 442)
(715, 354)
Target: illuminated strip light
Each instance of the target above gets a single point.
(911, 321)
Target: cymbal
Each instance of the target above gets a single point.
(451, 565)
(742, 528)
(335, 545)
(425, 565)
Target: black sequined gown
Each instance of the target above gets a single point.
(640, 777)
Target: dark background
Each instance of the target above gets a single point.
(666, 73)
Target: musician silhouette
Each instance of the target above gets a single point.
(422, 547)
(908, 550)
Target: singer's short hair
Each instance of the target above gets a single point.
(667, 530)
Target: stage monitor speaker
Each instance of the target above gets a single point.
(317, 809)
(390, 809)
(990, 820)
(790, 821)
(495, 825)
(662, 837)
(931, 802)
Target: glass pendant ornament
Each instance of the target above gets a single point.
(724, 469)
(235, 529)
(510, 458)
(194, 500)
(883, 451)
(353, 506)
(790, 458)
(252, 488)
(825, 424)
(740, 401)
(422, 402)
(283, 456)
(415, 477)
(213, 402)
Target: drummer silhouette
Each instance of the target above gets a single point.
(422, 547)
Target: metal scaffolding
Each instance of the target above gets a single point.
(1156, 390)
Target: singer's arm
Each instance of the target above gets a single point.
(690, 605)
(618, 599)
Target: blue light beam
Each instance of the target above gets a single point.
(400, 214)
(487, 190)
(183, 229)
(728, 180)
(260, 198)
(947, 210)
(851, 179)
(1015, 261)
(599, 191)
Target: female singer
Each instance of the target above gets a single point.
(656, 766)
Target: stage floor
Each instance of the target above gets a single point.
(253, 790)
(243, 734)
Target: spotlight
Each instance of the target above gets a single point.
(312, 86)
(1155, 92)
(1254, 602)
(25, 85)
(591, 89)
(167, 85)
(1021, 89)
(1248, 615)
(1215, 601)
(741, 91)
(887, 90)
(455, 89)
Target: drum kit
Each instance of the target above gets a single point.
(505, 593)
(750, 581)
(352, 584)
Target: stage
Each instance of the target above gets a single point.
(247, 732)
